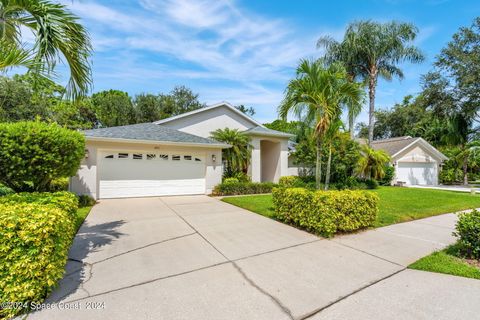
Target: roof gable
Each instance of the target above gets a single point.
(211, 107)
(396, 146)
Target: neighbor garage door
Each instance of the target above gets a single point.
(417, 173)
(124, 174)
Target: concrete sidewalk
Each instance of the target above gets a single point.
(198, 258)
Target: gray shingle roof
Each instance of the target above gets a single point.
(266, 131)
(150, 132)
(393, 145)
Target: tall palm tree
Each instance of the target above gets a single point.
(316, 96)
(237, 157)
(343, 52)
(371, 50)
(58, 36)
(372, 163)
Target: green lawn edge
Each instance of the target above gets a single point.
(443, 262)
(396, 204)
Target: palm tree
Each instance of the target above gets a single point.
(371, 49)
(237, 157)
(372, 163)
(331, 135)
(58, 35)
(343, 52)
(316, 96)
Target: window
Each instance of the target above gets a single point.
(137, 156)
(110, 156)
(163, 156)
(187, 157)
(175, 158)
(122, 155)
(151, 156)
(198, 159)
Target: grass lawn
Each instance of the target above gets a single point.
(446, 261)
(81, 215)
(396, 204)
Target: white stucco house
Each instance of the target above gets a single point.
(415, 160)
(174, 156)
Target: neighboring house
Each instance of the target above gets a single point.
(174, 156)
(415, 160)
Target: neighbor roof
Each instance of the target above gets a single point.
(261, 130)
(213, 106)
(149, 132)
(394, 146)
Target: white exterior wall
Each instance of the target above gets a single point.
(255, 170)
(416, 155)
(203, 123)
(273, 161)
(87, 179)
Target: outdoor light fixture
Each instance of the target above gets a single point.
(214, 158)
(87, 153)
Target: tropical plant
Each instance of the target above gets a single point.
(331, 135)
(57, 35)
(316, 96)
(371, 50)
(343, 52)
(237, 157)
(372, 163)
(33, 154)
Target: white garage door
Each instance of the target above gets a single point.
(416, 173)
(124, 174)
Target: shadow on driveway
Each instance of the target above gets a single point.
(89, 239)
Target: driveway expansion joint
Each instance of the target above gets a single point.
(319, 310)
(365, 252)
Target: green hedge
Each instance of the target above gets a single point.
(34, 243)
(325, 212)
(37, 230)
(33, 154)
(468, 233)
(239, 188)
(63, 200)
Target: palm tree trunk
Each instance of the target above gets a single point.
(465, 169)
(350, 126)
(318, 167)
(329, 162)
(372, 84)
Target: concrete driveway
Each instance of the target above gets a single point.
(195, 257)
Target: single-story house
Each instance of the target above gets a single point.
(415, 160)
(174, 156)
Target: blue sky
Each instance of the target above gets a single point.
(243, 51)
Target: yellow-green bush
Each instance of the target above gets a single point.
(34, 243)
(325, 212)
(64, 200)
(289, 181)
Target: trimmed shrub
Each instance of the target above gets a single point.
(5, 190)
(230, 180)
(325, 212)
(63, 200)
(371, 183)
(85, 201)
(389, 175)
(32, 154)
(34, 245)
(231, 189)
(289, 181)
(60, 184)
(468, 233)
